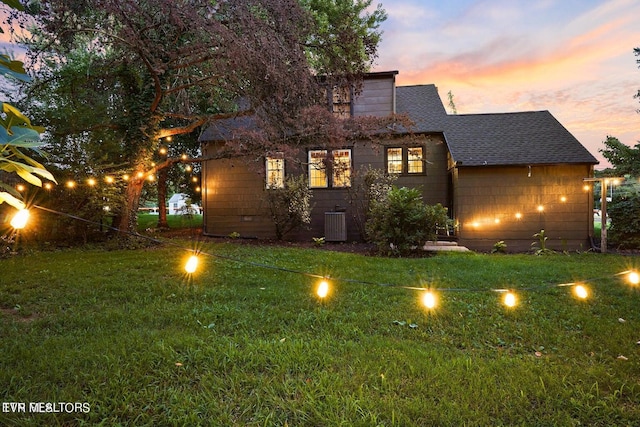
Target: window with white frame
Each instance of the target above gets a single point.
(339, 169)
(275, 172)
(394, 160)
(409, 160)
(415, 157)
(318, 169)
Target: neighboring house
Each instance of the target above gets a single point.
(180, 204)
(502, 176)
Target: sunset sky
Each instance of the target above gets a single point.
(571, 57)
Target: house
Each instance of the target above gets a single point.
(503, 177)
(180, 204)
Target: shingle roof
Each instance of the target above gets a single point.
(422, 103)
(524, 138)
(225, 129)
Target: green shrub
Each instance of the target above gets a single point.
(290, 207)
(401, 222)
(625, 219)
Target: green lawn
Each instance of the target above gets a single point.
(129, 334)
(175, 221)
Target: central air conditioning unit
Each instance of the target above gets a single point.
(335, 227)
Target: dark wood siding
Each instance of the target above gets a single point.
(488, 199)
(234, 190)
(233, 198)
(376, 98)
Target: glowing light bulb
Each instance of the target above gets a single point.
(188, 168)
(518, 215)
(633, 278)
(91, 182)
(496, 221)
(192, 264)
(586, 187)
(429, 300)
(48, 186)
(125, 177)
(540, 208)
(323, 289)
(198, 189)
(163, 150)
(151, 178)
(20, 219)
(580, 291)
(184, 157)
(510, 299)
(194, 179)
(20, 187)
(140, 174)
(71, 184)
(563, 199)
(108, 179)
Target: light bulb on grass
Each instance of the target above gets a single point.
(323, 289)
(192, 264)
(510, 299)
(429, 300)
(580, 291)
(20, 219)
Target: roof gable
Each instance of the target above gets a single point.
(523, 138)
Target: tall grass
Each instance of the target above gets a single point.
(236, 344)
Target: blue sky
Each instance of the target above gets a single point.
(571, 57)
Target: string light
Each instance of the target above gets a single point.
(109, 179)
(91, 182)
(71, 184)
(510, 299)
(48, 186)
(429, 300)
(518, 215)
(540, 208)
(163, 150)
(323, 289)
(20, 219)
(192, 264)
(20, 187)
(580, 291)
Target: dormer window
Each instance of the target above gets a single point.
(341, 102)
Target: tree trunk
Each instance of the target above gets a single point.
(127, 221)
(162, 198)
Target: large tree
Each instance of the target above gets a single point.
(133, 72)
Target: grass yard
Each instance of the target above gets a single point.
(175, 221)
(131, 336)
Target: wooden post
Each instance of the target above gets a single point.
(603, 207)
(603, 216)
